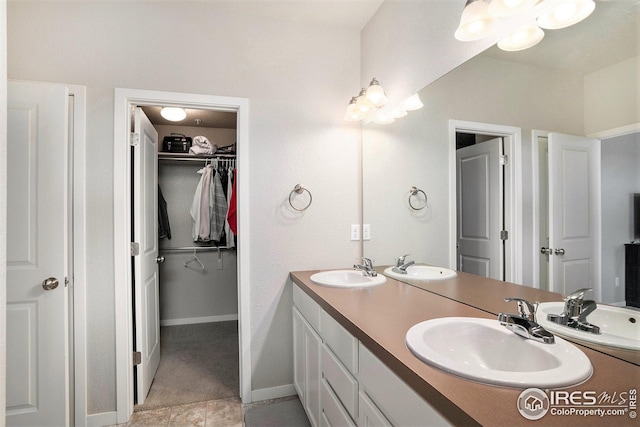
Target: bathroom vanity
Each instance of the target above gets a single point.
(352, 366)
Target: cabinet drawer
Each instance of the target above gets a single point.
(340, 341)
(333, 414)
(307, 306)
(399, 403)
(341, 382)
(370, 415)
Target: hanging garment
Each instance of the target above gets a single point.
(219, 209)
(164, 228)
(231, 215)
(201, 206)
(227, 228)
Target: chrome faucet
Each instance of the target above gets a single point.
(524, 323)
(366, 268)
(401, 265)
(576, 310)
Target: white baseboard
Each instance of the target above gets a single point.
(273, 392)
(102, 419)
(193, 320)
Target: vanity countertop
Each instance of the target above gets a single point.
(380, 316)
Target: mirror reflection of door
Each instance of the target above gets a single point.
(480, 205)
(569, 213)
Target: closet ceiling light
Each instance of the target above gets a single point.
(566, 13)
(475, 22)
(173, 114)
(504, 8)
(522, 39)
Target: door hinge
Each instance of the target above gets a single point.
(504, 159)
(134, 139)
(137, 358)
(504, 235)
(135, 248)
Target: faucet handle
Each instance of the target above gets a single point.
(401, 259)
(526, 309)
(577, 295)
(367, 262)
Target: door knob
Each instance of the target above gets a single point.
(559, 251)
(160, 259)
(546, 251)
(50, 284)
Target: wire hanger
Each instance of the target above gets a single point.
(199, 265)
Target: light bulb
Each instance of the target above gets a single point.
(504, 8)
(362, 103)
(412, 103)
(173, 114)
(475, 22)
(375, 94)
(566, 13)
(524, 38)
(352, 114)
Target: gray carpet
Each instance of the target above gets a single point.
(197, 362)
(286, 413)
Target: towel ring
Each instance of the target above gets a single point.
(299, 189)
(413, 191)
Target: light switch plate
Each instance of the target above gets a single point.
(366, 231)
(355, 232)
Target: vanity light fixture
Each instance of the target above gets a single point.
(475, 22)
(566, 13)
(412, 103)
(369, 105)
(524, 38)
(173, 114)
(480, 18)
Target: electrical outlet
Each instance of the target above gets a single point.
(355, 231)
(366, 231)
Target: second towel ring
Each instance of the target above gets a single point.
(299, 189)
(413, 191)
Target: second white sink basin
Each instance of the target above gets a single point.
(619, 327)
(346, 279)
(482, 350)
(422, 272)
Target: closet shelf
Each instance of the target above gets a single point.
(195, 248)
(192, 157)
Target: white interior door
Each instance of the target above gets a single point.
(480, 212)
(145, 225)
(37, 249)
(574, 216)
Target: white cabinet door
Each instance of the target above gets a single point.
(145, 226)
(37, 225)
(307, 374)
(370, 415)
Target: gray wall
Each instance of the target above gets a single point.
(196, 47)
(620, 179)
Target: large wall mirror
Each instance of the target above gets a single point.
(582, 80)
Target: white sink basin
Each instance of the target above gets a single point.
(619, 327)
(346, 279)
(483, 351)
(422, 272)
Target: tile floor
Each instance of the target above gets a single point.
(213, 413)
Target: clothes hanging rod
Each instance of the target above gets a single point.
(196, 248)
(190, 158)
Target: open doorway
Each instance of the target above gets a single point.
(125, 102)
(185, 309)
(502, 224)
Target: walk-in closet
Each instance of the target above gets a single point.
(198, 283)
